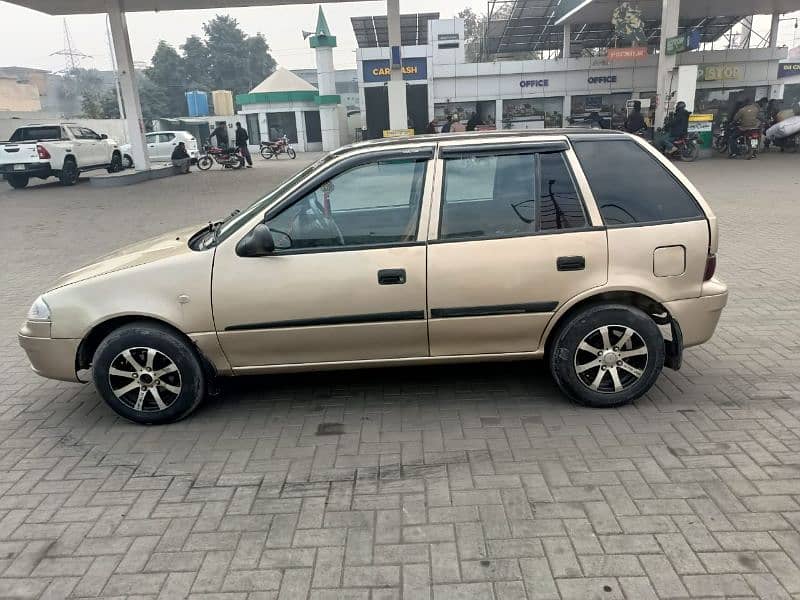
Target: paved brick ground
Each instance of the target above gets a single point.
(441, 483)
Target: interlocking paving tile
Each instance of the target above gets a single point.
(443, 482)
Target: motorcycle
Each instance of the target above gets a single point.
(280, 146)
(746, 143)
(685, 148)
(230, 158)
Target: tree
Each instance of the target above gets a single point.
(166, 71)
(90, 105)
(476, 29)
(153, 99)
(196, 64)
(236, 62)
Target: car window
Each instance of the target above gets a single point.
(375, 203)
(77, 132)
(89, 134)
(44, 132)
(490, 196)
(560, 206)
(151, 138)
(630, 186)
(167, 137)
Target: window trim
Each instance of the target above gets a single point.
(665, 168)
(416, 156)
(510, 150)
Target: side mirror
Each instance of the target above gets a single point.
(103, 136)
(259, 242)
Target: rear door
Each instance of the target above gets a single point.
(511, 242)
(658, 234)
(152, 145)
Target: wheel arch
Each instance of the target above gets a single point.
(650, 306)
(98, 332)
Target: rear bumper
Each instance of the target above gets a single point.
(698, 317)
(31, 169)
(51, 358)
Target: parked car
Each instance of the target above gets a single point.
(160, 145)
(63, 150)
(438, 249)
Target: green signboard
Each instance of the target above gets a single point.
(683, 43)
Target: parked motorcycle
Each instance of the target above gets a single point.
(280, 146)
(229, 158)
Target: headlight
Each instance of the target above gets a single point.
(39, 310)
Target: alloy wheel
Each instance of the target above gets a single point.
(612, 358)
(144, 379)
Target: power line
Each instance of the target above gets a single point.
(72, 57)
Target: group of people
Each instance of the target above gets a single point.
(453, 124)
(181, 159)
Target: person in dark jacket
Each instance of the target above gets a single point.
(220, 134)
(678, 126)
(446, 126)
(431, 127)
(180, 158)
(474, 121)
(635, 121)
(241, 144)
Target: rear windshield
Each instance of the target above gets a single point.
(32, 134)
(631, 186)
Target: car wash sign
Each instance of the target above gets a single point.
(789, 69)
(379, 71)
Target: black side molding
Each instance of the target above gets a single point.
(489, 311)
(410, 315)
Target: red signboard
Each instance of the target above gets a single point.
(627, 53)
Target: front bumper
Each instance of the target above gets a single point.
(53, 358)
(698, 317)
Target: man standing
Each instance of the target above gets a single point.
(220, 134)
(635, 121)
(241, 144)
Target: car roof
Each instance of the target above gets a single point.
(473, 136)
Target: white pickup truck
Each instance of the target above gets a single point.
(62, 150)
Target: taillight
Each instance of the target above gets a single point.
(42, 151)
(711, 267)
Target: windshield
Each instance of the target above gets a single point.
(32, 134)
(232, 224)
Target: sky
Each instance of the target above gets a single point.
(40, 35)
(28, 38)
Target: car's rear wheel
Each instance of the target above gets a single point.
(147, 373)
(69, 172)
(607, 355)
(18, 181)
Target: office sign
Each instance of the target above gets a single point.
(683, 43)
(534, 83)
(788, 69)
(603, 79)
(626, 53)
(718, 72)
(379, 71)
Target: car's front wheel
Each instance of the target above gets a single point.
(607, 355)
(148, 374)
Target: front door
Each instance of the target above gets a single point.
(152, 145)
(512, 241)
(346, 281)
(82, 147)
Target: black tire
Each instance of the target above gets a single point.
(127, 161)
(266, 152)
(204, 163)
(292, 154)
(69, 172)
(17, 181)
(138, 338)
(689, 153)
(115, 166)
(565, 353)
(720, 145)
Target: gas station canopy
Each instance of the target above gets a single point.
(373, 32)
(599, 11)
(76, 7)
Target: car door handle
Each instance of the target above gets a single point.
(392, 276)
(570, 263)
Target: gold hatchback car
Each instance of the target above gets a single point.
(584, 248)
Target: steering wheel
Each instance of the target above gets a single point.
(313, 220)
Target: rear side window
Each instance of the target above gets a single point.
(504, 195)
(30, 134)
(630, 186)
